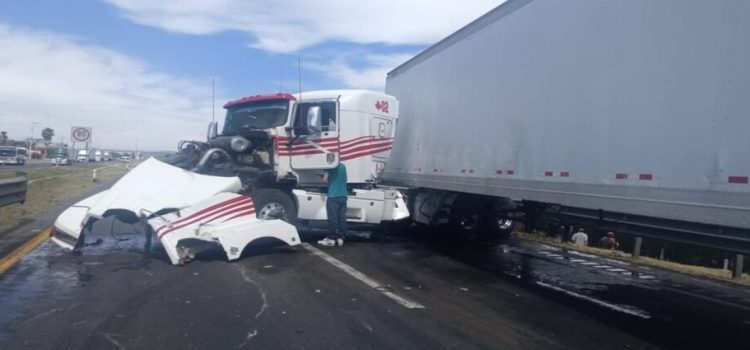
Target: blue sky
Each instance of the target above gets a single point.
(143, 69)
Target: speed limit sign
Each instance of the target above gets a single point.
(80, 134)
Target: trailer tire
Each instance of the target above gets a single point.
(466, 218)
(271, 203)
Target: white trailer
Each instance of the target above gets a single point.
(628, 113)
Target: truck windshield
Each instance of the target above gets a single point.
(257, 115)
(7, 152)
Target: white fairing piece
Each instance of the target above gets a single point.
(154, 185)
(227, 219)
(71, 220)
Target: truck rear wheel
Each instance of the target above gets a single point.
(478, 220)
(466, 217)
(271, 203)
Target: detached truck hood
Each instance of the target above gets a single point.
(156, 187)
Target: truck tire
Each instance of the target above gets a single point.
(271, 203)
(478, 219)
(498, 229)
(466, 217)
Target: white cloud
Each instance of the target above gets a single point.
(285, 26)
(59, 81)
(360, 70)
(290, 25)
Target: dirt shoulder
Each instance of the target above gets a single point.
(700, 271)
(50, 191)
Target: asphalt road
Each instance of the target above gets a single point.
(405, 292)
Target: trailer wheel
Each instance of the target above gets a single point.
(466, 217)
(498, 229)
(271, 203)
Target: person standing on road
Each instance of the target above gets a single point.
(580, 238)
(335, 206)
(609, 241)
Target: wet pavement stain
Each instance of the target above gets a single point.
(666, 308)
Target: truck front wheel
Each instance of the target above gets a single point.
(271, 203)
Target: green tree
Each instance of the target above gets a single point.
(48, 134)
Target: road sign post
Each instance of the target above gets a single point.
(80, 134)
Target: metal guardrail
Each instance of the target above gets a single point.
(13, 190)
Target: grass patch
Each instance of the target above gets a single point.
(701, 271)
(68, 182)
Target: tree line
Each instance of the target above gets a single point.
(47, 135)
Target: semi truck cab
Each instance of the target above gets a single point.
(281, 143)
(82, 156)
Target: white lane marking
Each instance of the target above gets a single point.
(646, 277)
(582, 254)
(577, 260)
(409, 304)
(616, 270)
(43, 179)
(602, 266)
(629, 311)
(616, 262)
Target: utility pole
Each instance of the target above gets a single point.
(31, 139)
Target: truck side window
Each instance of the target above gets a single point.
(328, 110)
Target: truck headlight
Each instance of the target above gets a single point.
(239, 144)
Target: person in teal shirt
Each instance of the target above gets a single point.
(335, 206)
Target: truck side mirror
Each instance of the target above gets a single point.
(314, 120)
(212, 131)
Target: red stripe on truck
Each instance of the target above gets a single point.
(645, 177)
(564, 174)
(738, 179)
(621, 176)
(548, 173)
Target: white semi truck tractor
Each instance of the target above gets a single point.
(279, 144)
